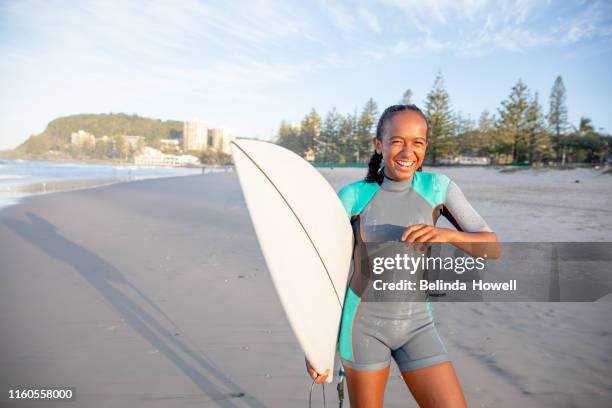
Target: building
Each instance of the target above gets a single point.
(82, 137)
(134, 141)
(465, 160)
(195, 135)
(153, 157)
(170, 145)
(219, 139)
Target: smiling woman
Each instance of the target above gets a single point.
(396, 203)
(404, 148)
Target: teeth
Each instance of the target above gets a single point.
(405, 163)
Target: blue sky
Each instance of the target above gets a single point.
(248, 65)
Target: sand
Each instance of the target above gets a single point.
(155, 293)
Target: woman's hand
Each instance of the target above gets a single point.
(482, 243)
(318, 378)
(427, 233)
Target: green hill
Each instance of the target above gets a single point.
(56, 137)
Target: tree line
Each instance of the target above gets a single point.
(521, 131)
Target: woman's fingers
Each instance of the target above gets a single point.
(428, 237)
(411, 230)
(322, 377)
(424, 229)
(318, 378)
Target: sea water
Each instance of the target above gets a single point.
(20, 178)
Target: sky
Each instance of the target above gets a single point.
(248, 65)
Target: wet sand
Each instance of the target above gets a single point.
(155, 293)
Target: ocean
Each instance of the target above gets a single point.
(21, 178)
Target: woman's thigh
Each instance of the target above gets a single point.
(435, 386)
(366, 388)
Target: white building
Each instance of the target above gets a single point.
(153, 157)
(169, 145)
(466, 160)
(81, 137)
(134, 141)
(195, 135)
(219, 139)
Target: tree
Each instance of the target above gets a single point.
(346, 137)
(365, 130)
(440, 118)
(585, 127)
(513, 119)
(407, 97)
(289, 137)
(534, 128)
(486, 122)
(329, 151)
(310, 131)
(557, 115)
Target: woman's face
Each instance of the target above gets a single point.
(403, 145)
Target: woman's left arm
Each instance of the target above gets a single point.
(472, 233)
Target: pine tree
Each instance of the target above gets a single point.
(347, 136)
(440, 118)
(407, 97)
(289, 137)
(365, 130)
(328, 141)
(513, 119)
(534, 128)
(310, 131)
(557, 115)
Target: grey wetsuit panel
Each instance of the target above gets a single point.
(402, 328)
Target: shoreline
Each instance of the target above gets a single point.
(24, 178)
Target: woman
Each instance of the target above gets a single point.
(398, 203)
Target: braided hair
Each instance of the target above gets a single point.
(375, 173)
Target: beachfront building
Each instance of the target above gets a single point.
(170, 144)
(154, 157)
(465, 160)
(81, 138)
(195, 135)
(219, 139)
(134, 141)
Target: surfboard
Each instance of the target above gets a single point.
(306, 240)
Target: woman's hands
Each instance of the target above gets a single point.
(318, 378)
(482, 243)
(427, 233)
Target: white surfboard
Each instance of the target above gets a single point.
(306, 240)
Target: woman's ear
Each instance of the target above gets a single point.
(377, 145)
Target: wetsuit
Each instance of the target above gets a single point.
(379, 325)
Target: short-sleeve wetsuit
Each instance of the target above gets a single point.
(374, 329)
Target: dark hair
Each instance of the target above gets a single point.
(374, 170)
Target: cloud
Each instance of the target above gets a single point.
(369, 19)
(342, 18)
(480, 27)
(595, 21)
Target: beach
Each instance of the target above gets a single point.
(155, 293)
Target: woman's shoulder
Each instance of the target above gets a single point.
(431, 186)
(355, 193)
(433, 177)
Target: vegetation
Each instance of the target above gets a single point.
(520, 133)
(213, 157)
(56, 137)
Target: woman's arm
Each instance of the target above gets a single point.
(473, 235)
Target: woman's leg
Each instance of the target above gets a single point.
(366, 388)
(435, 386)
